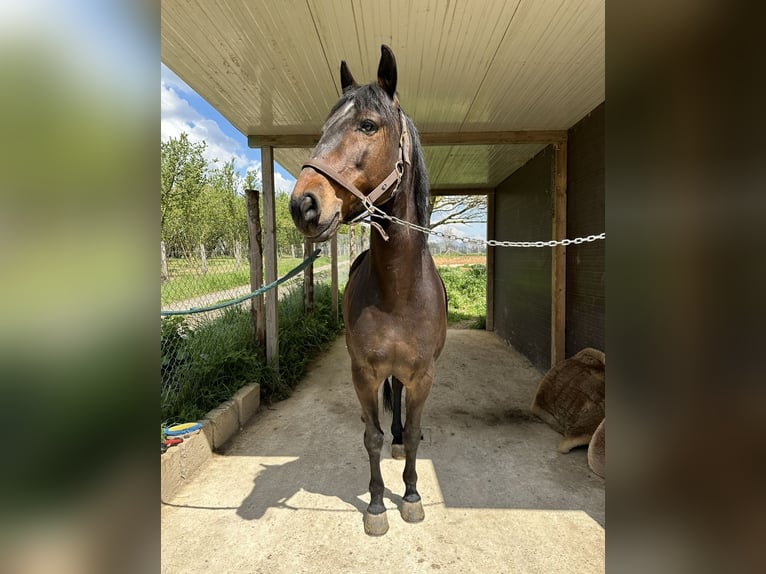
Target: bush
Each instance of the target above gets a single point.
(204, 366)
(301, 338)
(466, 294)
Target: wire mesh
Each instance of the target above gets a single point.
(206, 356)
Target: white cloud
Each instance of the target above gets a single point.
(169, 79)
(178, 116)
(282, 183)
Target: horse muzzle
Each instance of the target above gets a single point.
(315, 210)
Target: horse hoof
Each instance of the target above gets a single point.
(397, 451)
(375, 524)
(412, 511)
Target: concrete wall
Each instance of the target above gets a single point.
(523, 208)
(523, 212)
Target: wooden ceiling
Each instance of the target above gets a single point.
(487, 82)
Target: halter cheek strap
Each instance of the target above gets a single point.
(389, 183)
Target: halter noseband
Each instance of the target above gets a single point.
(393, 179)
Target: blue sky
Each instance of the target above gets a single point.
(183, 110)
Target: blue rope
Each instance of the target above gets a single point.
(289, 275)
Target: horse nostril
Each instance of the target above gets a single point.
(304, 209)
(309, 207)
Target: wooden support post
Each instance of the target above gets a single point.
(308, 280)
(256, 264)
(334, 274)
(558, 256)
(270, 255)
(490, 323)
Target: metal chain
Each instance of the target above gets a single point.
(375, 210)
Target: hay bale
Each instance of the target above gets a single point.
(570, 397)
(597, 450)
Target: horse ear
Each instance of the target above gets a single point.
(387, 71)
(346, 79)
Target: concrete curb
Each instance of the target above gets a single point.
(179, 463)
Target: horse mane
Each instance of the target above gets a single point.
(373, 97)
(421, 186)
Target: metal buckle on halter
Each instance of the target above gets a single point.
(369, 209)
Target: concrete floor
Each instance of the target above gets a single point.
(288, 493)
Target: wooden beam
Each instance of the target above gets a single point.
(270, 255)
(309, 140)
(283, 140)
(490, 322)
(558, 259)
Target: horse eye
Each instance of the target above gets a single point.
(367, 127)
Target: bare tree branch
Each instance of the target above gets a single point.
(453, 209)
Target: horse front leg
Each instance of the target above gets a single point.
(375, 520)
(412, 507)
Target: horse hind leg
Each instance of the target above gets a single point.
(397, 444)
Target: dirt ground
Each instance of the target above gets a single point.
(288, 493)
(453, 260)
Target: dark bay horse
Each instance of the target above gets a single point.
(394, 305)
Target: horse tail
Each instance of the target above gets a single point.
(388, 397)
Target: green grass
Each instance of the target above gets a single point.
(466, 295)
(204, 366)
(187, 281)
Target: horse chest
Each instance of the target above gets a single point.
(389, 343)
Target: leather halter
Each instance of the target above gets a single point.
(390, 183)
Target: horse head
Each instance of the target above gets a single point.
(360, 156)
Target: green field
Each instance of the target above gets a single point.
(463, 275)
(187, 281)
(205, 364)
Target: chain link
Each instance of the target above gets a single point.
(376, 211)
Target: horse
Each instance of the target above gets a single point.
(369, 162)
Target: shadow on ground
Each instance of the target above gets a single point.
(486, 448)
(289, 492)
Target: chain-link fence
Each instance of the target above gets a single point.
(207, 355)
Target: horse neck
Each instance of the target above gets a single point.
(397, 261)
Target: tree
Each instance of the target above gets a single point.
(454, 209)
(289, 239)
(182, 180)
(252, 179)
(228, 213)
